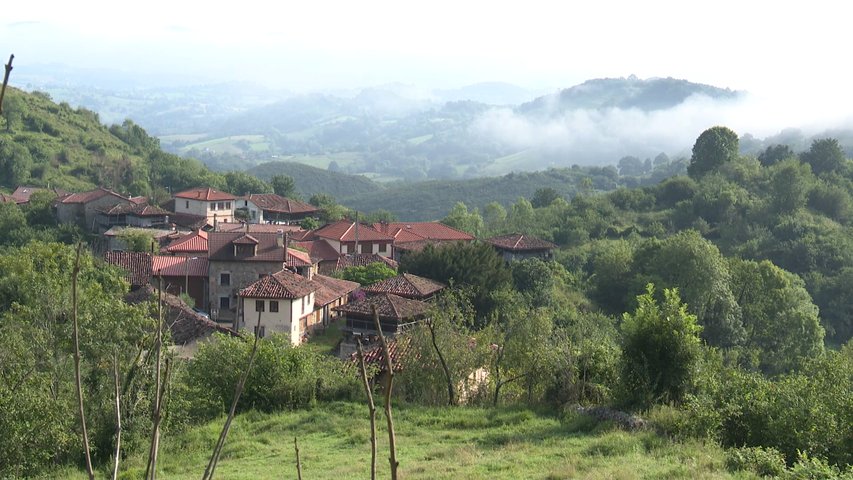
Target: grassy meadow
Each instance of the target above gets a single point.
(433, 443)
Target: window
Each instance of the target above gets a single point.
(224, 303)
(259, 305)
(263, 331)
(245, 203)
(187, 205)
(227, 205)
(273, 306)
(224, 279)
(222, 205)
(213, 205)
(383, 247)
(350, 248)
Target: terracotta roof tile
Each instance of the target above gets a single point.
(195, 242)
(282, 284)
(319, 250)
(276, 203)
(406, 285)
(330, 289)
(520, 242)
(413, 231)
(5, 198)
(388, 306)
(204, 194)
(221, 247)
(374, 354)
(345, 231)
(290, 230)
(138, 265)
(139, 210)
(172, 266)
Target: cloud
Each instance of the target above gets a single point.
(603, 136)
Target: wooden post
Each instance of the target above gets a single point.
(76, 333)
(298, 464)
(389, 385)
(214, 458)
(372, 408)
(151, 467)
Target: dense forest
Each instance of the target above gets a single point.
(716, 305)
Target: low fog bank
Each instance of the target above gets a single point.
(603, 136)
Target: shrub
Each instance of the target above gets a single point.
(767, 462)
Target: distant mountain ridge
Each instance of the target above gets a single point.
(625, 93)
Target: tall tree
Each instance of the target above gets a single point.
(714, 147)
(825, 155)
(284, 185)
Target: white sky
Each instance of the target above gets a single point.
(751, 45)
(793, 57)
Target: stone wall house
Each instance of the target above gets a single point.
(278, 303)
(82, 208)
(272, 208)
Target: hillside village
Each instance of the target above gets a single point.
(236, 257)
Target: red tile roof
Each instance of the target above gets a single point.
(173, 266)
(91, 195)
(344, 231)
(5, 198)
(204, 194)
(388, 306)
(283, 284)
(413, 231)
(330, 289)
(374, 354)
(318, 250)
(275, 203)
(290, 230)
(221, 247)
(406, 285)
(298, 258)
(195, 242)
(245, 239)
(23, 192)
(138, 265)
(519, 242)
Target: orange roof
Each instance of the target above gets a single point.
(414, 231)
(406, 285)
(283, 284)
(319, 250)
(195, 242)
(345, 231)
(331, 289)
(172, 266)
(205, 194)
(291, 230)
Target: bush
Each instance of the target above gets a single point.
(814, 468)
(282, 376)
(767, 462)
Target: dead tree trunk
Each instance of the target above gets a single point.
(389, 385)
(79, 384)
(372, 408)
(298, 464)
(118, 415)
(151, 467)
(6, 81)
(217, 450)
(451, 390)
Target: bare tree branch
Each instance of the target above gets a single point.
(389, 385)
(76, 273)
(6, 81)
(372, 408)
(118, 415)
(214, 458)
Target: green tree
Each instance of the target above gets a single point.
(714, 147)
(825, 155)
(775, 154)
(660, 350)
(780, 319)
(494, 217)
(241, 183)
(790, 183)
(543, 197)
(285, 186)
(367, 274)
(461, 219)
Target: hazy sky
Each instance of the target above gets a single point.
(748, 45)
(792, 57)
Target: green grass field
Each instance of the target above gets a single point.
(433, 443)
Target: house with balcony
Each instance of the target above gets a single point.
(83, 208)
(348, 237)
(396, 315)
(272, 208)
(518, 246)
